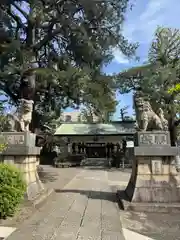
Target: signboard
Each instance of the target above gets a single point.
(130, 144)
(12, 139)
(153, 138)
(15, 139)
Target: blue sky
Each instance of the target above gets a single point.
(140, 26)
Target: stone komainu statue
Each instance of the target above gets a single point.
(20, 121)
(147, 119)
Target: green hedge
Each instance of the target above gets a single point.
(12, 189)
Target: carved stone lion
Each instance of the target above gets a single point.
(20, 121)
(147, 119)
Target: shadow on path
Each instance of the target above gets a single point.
(108, 169)
(46, 176)
(109, 196)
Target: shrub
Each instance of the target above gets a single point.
(3, 143)
(12, 189)
(3, 147)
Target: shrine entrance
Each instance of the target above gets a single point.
(96, 150)
(98, 141)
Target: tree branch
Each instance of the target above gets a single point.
(13, 97)
(177, 122)
(17, 19)
(25, 15)
(48, 37)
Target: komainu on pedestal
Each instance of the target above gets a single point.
(147, 119)
(19, 122)
(154, 182)
(22, 150)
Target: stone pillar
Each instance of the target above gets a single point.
(177, 162)
(69, 148)
(23, 153)
(154, 183)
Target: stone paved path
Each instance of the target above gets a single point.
(85, 209)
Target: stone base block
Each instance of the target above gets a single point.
(154, 189)
(23, 153)
(34, 189)
(40, 199)
(36, 193)
(19, 138)
(154, 186)
(156, 151)
(124, 204)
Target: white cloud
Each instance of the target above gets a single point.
(143, 20)
(162, 12)
(119, 57)
(152, 8)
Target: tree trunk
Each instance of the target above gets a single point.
(173, 132)
(171, 119)
(35, 122)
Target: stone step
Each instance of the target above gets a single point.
(95, 162)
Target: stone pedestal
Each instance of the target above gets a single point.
(154, 184)
(23, 153)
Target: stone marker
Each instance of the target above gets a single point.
(154, 183)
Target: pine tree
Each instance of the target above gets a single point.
(161, 73)
(60, 47)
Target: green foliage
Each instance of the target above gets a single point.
(4, 123)
(3, 143)
(165, 47)
(174, 89)
(3, 146)
(162, 69)
(87, 115)
(66, 50)
(129, 118)
(12, 189)
(161, 74)
(158, 79)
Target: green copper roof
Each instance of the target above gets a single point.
(95, 129)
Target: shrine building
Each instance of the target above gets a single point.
(96, 139)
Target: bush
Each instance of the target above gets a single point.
(12, 189)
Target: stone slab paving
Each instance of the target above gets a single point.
(156, 226)
(57, 177)
(52, 178)
(84, 209)
(129, 235)
(151, 226)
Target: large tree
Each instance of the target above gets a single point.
(123, 113)
(161, 73)
(60, 47)
(86, 115)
